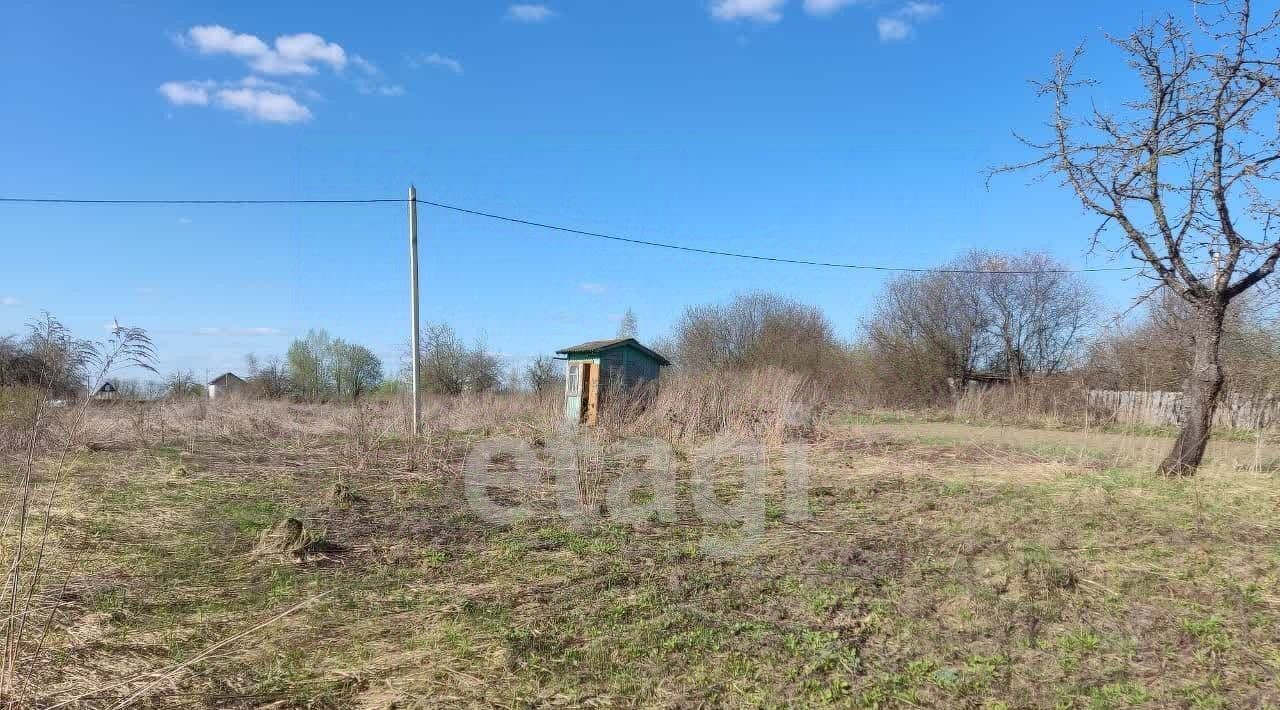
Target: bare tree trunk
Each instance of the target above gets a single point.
(1200, 392)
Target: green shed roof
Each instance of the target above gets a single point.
(599, 346)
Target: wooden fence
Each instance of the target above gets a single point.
(1237, 410)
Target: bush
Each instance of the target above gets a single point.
(755, 331)
(450, 366)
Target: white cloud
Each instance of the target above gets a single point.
(213, 39)
(291, 57)
(920, 11)
(380, 89)
(10, 301)
(593, 288)
(269, 106)
(436, 59)
(892, 29)
(252, 96)
(829, 7)
(257, 82)
(372, 84)
(756, 10)
(185, 93)
(292, 54)
(530, 13)
(901, 24)
(221, 332)
(364, 65)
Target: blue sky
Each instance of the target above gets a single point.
(848, 131)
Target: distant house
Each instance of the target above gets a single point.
(225, 384)
(599, 366)
(106, 392)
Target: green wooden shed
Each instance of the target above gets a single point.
(595, 367)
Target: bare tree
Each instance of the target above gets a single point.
(1036, 312)
(629, 326)
(543, 373)
(1183, 171)
(925, 332)
(450, 366)
(984, 313)
(484, 369)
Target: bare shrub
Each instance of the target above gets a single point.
(18, 407)
(767, 404)
(50, 358)
(1156, 352)
(983, 314)
(758, 330)
(182, 384)
(268, 378)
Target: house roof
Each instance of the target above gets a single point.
(226, 378)
(598, 346)
(106, 388)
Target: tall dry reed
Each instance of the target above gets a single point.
(769, 405)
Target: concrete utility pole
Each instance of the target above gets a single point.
(413, 294)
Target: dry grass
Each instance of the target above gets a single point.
(943, 566)
(768, 405)
(1051, 404)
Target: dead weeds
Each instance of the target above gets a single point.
(934, 572)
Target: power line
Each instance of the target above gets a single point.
(64, 201)
(576, 232)
(758, 257)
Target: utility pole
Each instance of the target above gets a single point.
(413, 294)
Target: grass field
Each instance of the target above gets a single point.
(942, 565)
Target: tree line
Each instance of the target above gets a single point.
(318, 367)
(986, 318)
(983, 316)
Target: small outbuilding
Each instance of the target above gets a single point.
(106, 393)
(225, 384)
(600, 366)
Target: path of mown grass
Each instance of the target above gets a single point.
(1087, 587)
